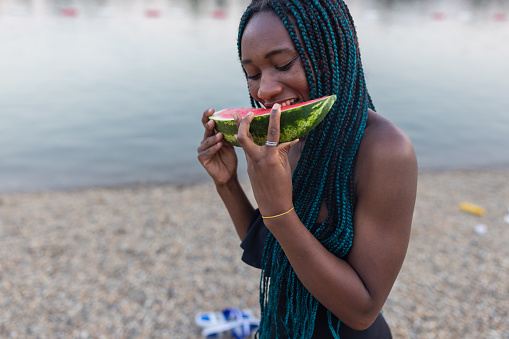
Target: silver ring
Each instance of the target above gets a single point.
(271, 143)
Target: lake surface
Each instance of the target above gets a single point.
(112, 92)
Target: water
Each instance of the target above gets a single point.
(112, 92)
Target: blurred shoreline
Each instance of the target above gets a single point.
(200, 177)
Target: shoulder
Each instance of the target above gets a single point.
(384, 139)
(385, 152)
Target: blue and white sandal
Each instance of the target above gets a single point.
(240, 323)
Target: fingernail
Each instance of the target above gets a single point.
(276, 106)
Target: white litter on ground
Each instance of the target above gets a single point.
(481, 229)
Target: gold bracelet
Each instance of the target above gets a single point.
(275, 216)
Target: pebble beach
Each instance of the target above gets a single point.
(140, 261)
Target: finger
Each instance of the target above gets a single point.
(209, 129)
(237, 118)
(284, 148)
(206, 154)
(206, 115)
(210, 141)
(243, 136)
(274, 121)
(207, 123)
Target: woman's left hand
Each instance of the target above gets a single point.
(268, 167)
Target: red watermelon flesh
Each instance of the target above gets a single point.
(228, 113)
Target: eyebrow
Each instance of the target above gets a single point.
(270, 54)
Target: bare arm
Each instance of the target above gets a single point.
(220, 161)
(238, 205)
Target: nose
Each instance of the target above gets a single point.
(269, 87)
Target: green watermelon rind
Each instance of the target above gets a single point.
(295, 122)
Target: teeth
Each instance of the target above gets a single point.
(287, 103)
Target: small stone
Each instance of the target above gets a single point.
(481, 229)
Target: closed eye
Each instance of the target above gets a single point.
(288, 65)
(281, 68)
(254, 77)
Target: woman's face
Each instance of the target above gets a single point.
(274, 69)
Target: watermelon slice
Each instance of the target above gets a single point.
(296, 120)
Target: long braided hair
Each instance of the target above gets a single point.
(324, 35)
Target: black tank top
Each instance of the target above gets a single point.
(253, 245)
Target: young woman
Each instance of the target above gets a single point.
(334, 208)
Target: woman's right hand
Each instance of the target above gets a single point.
(216, 155)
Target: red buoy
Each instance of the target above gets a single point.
(152, 13)
(70, 12)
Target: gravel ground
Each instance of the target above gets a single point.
(141, 261)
